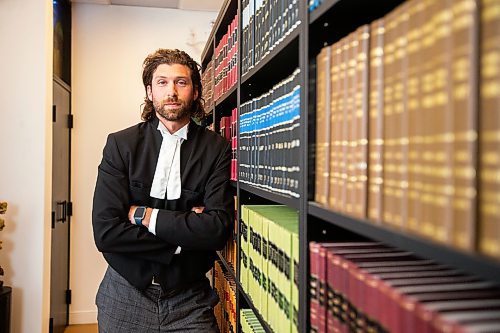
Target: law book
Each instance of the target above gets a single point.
(376, 122)
(267, 28)
(489, 214)
(409, 315)
(256, 254)
(343, 130)
(273, 276)
(264, 290)
(400, 116)
(286, 223)
(362, 34)
(338, 303)
(335, 126)
(364, 282)
(254, 258)
(349, 124)
(485, 327)
(415, 54)
(390, 206)
(342, 306)
(208, 83)
(290, 230)
(324, 290)
(461, 321)
(274, 304)
(413, 296)
(296, 278)
(464, 99)
(245, 16)
(244, 255)
(294, 142)
(251, 30)
(434, 309)
(283, 244)
(322, 125)
(259, 31)
(390, 298)
(318, 287)
(439, 142)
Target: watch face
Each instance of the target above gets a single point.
(139, 212)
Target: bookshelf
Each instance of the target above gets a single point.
(329, 23)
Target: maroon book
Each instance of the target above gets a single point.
(458, 321)
(426, 314)
(338, 308)
(412, 296)
(348, 306)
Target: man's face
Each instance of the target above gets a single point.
(172, 92)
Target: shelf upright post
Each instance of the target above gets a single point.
(238, 210)
(303, 185)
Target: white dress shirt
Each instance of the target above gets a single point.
(167, 178)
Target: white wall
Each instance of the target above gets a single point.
(109, 46)
(26, 158)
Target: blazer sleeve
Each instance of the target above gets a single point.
(113, 232)
(210, 229)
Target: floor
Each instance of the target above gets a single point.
(87, 328)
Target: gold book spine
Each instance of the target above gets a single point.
(489, 130)
(376, 122)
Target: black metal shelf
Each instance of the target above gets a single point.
(335, 19)
(257, 314)
(321, 9)
(229, 97)
(227, 267)
(475, 264)
(278, 198)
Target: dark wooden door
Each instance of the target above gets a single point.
(60, 294)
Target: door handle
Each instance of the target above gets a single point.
(61, 211)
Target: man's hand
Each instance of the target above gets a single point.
(147, 217)
(198, 210)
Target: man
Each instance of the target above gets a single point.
(162, 207)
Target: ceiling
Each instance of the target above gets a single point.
(206, 5)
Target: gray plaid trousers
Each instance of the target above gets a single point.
(124, 309)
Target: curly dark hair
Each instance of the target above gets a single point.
(169, 56)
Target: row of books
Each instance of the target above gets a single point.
(265, 23)
(269, 263)
(226, 60)
(229, 130)
(341, 124)
(269, 144)
(313, 4)
(249, 322)
(404, 119)
(229, 253)
(225, 310)
(368, 287)
(207, 82)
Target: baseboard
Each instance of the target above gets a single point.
(82, 317)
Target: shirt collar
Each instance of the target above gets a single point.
(181, 132)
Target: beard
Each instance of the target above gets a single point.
(182, 111)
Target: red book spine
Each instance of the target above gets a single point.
(314, 249)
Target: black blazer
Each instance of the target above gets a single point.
(124, 178)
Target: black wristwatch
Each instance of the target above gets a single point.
(139, 214)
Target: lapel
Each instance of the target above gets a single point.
(187, 149)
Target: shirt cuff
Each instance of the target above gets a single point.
(152, 226)
(152, 221)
